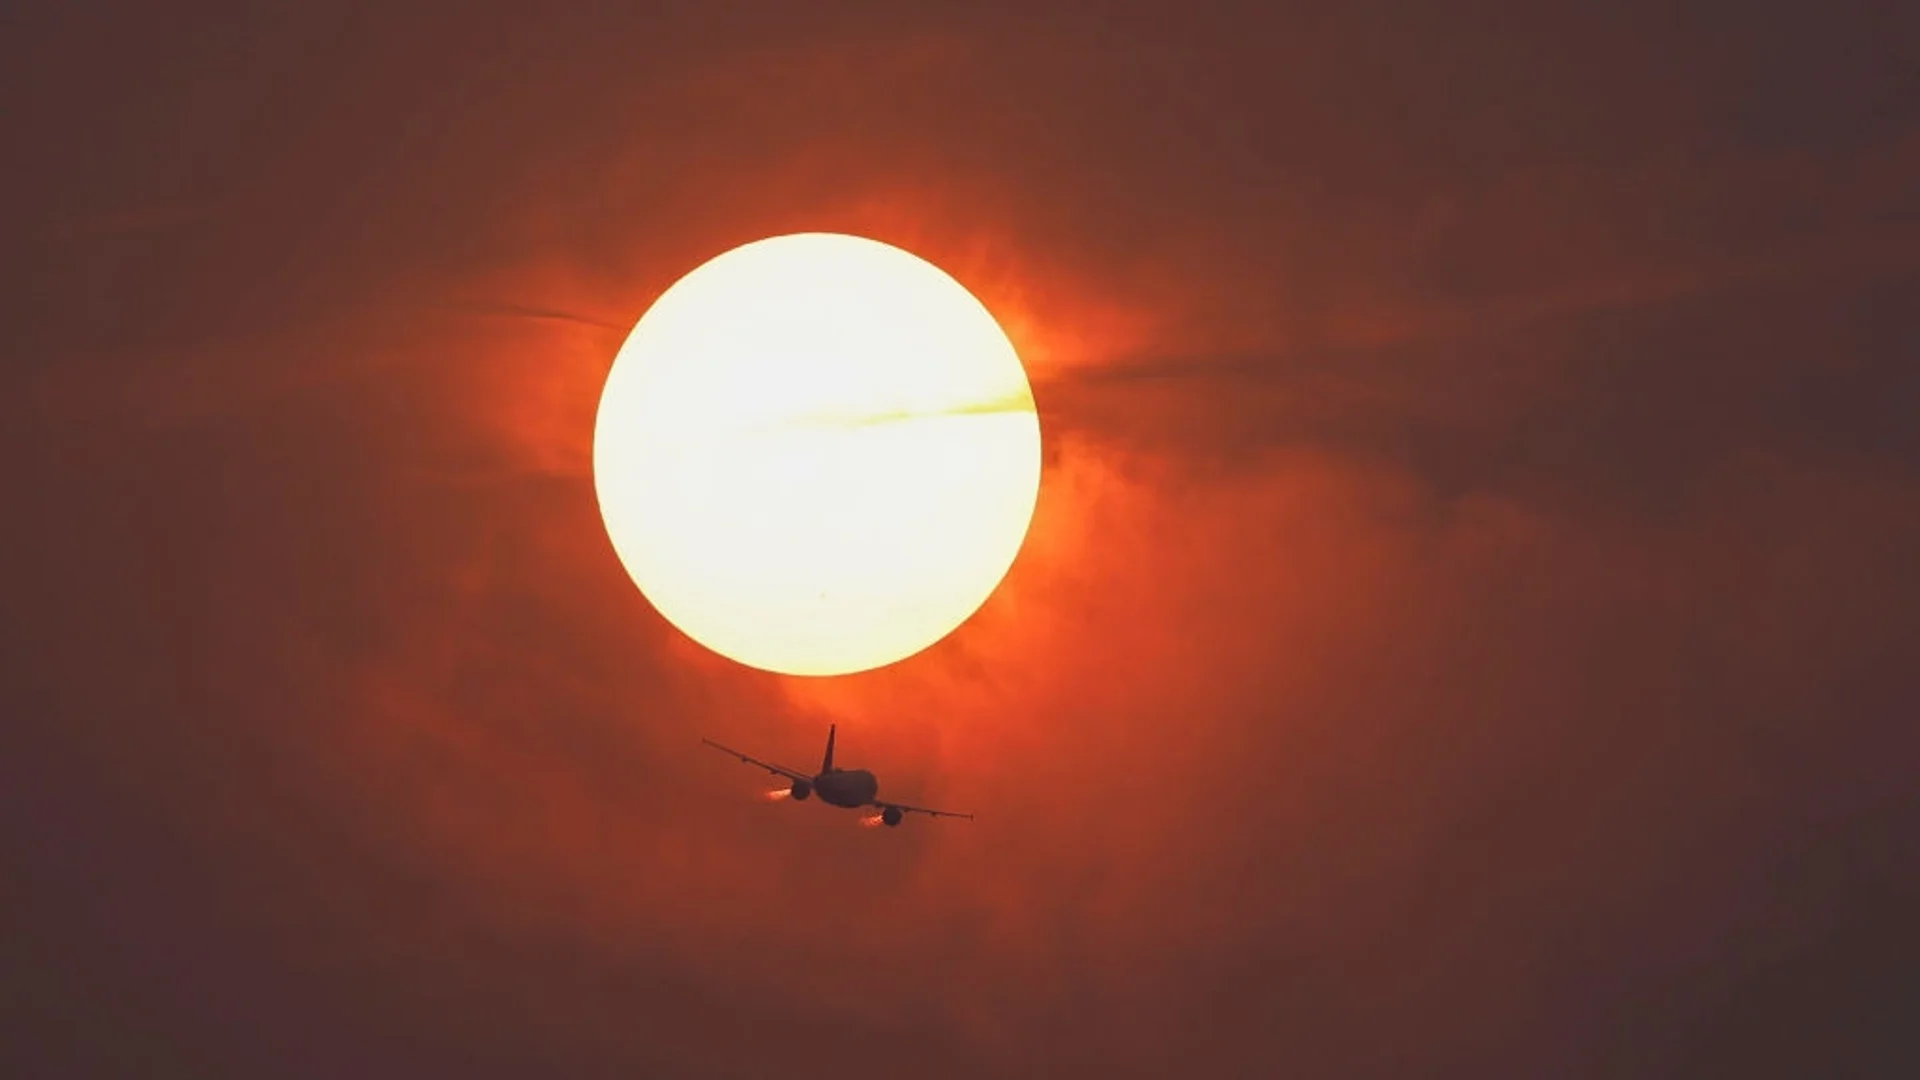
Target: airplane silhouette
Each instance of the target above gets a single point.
(850, 789)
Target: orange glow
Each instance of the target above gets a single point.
(817, 454)
(779, 793)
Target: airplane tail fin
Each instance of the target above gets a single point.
(826, 766)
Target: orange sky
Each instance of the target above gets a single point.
(1466, 627)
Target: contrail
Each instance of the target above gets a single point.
(525, 311)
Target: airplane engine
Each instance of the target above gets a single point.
(801, 789)
(891, 815)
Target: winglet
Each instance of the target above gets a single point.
(826, 765)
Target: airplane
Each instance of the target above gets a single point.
(850, 789)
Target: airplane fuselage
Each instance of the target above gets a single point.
(849, 788)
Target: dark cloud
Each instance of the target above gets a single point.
(1466, 625)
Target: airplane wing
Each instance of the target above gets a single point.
(903, 807)
(777, 770)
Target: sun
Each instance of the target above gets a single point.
(817, 454)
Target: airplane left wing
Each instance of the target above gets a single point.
(777, 770)
(904, 808)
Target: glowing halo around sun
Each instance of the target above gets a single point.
(817, 454)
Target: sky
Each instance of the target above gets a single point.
(1468, 626)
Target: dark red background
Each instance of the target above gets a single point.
(1469, 626)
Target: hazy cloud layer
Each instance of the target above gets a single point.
(1467, 625)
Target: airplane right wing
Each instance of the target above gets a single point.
(904, 808)
(777, 770)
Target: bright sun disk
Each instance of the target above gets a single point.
(817, 454)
